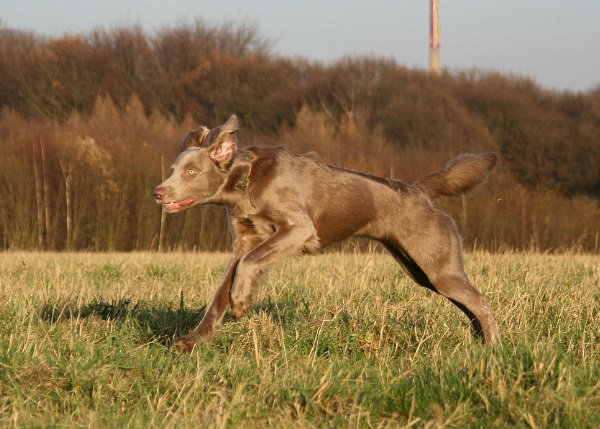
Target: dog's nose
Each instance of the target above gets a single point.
(159, 193)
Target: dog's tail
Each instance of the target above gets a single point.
(459, 175)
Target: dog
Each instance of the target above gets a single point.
(281, 204)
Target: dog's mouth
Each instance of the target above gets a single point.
(175, 206)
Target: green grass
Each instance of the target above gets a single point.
(337, 340)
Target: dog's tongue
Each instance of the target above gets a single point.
(178, 205)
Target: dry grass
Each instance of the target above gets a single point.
(337, 340)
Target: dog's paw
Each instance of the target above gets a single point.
(240, 309)
(185, 344)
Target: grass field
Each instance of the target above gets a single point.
(337, 340)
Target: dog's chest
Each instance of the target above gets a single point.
(263, 228)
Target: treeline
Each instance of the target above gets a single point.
(89, 124)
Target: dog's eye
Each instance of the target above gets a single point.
(191, 171)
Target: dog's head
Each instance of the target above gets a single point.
(201, 168)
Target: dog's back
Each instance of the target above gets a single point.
(341, 202)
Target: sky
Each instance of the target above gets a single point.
(556, 43)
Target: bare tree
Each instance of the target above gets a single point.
(39, 194)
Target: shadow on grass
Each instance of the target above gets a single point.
(155, 323)
(162, 322)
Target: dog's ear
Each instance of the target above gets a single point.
(232, 124)
(224, 148)
(194, 138)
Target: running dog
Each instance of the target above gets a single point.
(280, 204)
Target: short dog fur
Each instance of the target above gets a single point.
(281, 204)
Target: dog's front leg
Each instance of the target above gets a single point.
(214, 312)
(287, 241)
(244, 239)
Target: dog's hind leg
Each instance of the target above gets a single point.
(458, 289)
(451, 282)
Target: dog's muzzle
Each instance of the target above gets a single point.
(159, 194)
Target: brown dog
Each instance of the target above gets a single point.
(281, 204)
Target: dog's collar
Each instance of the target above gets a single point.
(242, 184)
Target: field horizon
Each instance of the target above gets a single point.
(340, 339)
